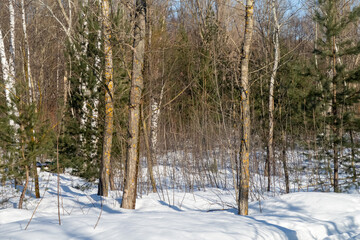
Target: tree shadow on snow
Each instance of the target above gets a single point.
(170, 206)
(291, 234)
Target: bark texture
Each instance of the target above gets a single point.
(132, 157)
(27, 68)
(336, 131)
(271, 96)
(104, 182)
(12, 39)
(245, 107)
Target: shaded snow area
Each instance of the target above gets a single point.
(175, 215)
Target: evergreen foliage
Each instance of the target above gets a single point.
(337, 82)
(81, 142)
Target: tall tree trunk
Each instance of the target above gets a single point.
(32, 95)
(10, 90)
(12, 40)
(270, 148)
(83, 77)
(109, 105)
(245, 107)
(132, 157)
(31, 86)
(153, 112)
(8, 70)
(95, 110)
(335, 122)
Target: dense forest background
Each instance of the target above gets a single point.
(56, 90)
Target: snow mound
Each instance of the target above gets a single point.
(178, 215)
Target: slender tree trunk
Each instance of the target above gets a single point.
(5, 71)
(31, 86)
(95, 110)
(353, 156)
(83, 77)
(12, 41)
(335, 122)
(315, 43)
(245, 106)
(32, 95)
(58, 169)
(112, 179)
(132, 157)
(149, 155)
(36, 179)
(284, 161)
(109, 105)
(270, 148)
(153, 112)
(10, 91)
(22, 197)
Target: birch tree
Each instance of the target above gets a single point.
(8, 65)
(31, 86)
(270, 148)
(154, 103)
(12, 40)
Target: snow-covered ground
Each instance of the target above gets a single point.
(175, 215)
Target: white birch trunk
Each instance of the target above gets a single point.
(5, 71)
(28, 77)
(271, 94)
(155, 114)
(12, 40)
(99, 79)
(9, 81)
(83, 81)
(95, 112)
(98, 75)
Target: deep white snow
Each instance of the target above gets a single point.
(176, 215)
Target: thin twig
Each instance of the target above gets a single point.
(100, 213)
(38, 203)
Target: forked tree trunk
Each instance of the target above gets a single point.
(104, 182)
(132, 157)
(245, 107)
